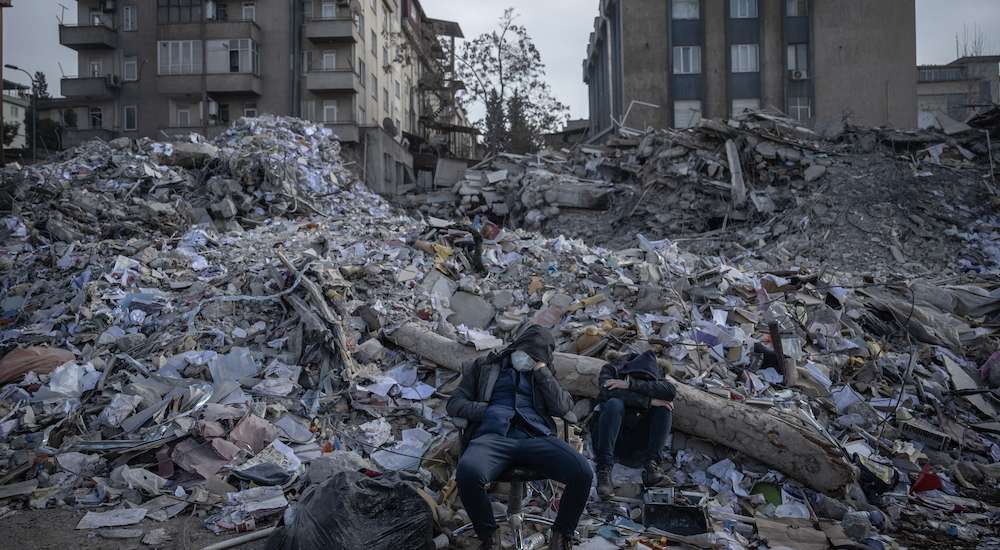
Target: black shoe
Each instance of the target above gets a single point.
(560, 541)
(605, 489)
(651, 474)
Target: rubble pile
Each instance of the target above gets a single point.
(887, 199)
(250, 368)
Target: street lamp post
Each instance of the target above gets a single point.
(34, 111)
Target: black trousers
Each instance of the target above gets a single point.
(489, 455)
(631, 435)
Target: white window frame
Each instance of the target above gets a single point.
(178, 57)
(687, 59)
(329, 105)
(373, 84)
(681, 9)
(135, 118)
(798, 57)
(685, 116)
(362, 70)
(250, 110)
(96, 68)
(130, 21)
(798, 106)
(307, 9)
(745, 58)
(360, 21)
(743, 9)
(90, 117)
(182, 118)
(329, 60)
(248, 11)
(130, 69)
(796, 8)
(328, 10)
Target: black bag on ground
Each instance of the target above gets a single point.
(350, 511)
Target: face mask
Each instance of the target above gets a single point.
(522, 362)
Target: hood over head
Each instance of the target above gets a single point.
(537, 342)
(644, 365)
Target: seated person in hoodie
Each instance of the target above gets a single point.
(509, 400)
(633, 420)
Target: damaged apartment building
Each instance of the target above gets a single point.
(655, 63)
(374, 71)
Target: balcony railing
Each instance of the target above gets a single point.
(336, 80)
(232, 83)
(215, 29)
(333, 29)
(88, 37)
(98, 87)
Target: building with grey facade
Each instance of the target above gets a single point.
(159, 68)
(959, 89)
(668, 63)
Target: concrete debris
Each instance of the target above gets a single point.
(253, 329)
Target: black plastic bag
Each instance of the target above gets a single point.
(352, 512)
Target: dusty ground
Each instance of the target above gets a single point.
(54, 530)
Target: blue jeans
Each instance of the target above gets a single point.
(489, 455)
(634, 435)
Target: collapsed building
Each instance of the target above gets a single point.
(240, 327)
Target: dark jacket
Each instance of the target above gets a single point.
(646, 382)
(472, 397)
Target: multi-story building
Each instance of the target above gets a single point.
(16, 101)
(959, 89)
(172, 67)
(667, 63)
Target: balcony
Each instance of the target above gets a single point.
(346, 131)
(338, 80)
(73, 137)
(88, 37)
(214, 30)
(181, 133)
(100, 87)
(220, 83)
(334, 29)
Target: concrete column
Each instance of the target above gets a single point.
(645, 52)
(715, 60)
(772, 54)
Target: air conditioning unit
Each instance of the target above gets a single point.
(213, 108)
(799, 75)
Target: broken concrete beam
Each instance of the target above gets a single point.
(777, 441)
(739, 195)
(814, 172)
(568, 194)
(191, 155)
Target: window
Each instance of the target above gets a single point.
(179, 57)
(96, 117)
(329, 60)
(745, 58)
(183, 118)
(249, 12)
(130, 116)
(130, 69)
(306, 60)
(687, 59)
(743, 9)
(307, 9)
(397, 89)
(373, 84)
(96, 69)
(309, 110)
(328, 10)
(374, 43)
(95, 18)
(796, 8)
(178, 11)
(69, 118)
(362, 114)
(385, 55)
(385, 98)
(687, 114)
(800, 108)
(361, 26)
(742, 105)
(129, 20)
(330, 110)
(798, 57)
(224, 113)
(239, 55)
(687, 9)
(15, 112)
(362, 71)
(250, 110)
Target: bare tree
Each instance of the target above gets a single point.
(972, 42)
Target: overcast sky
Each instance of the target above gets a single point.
(560, 29)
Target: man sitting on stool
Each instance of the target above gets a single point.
(634, 418)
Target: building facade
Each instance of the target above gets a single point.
(959, 89)
(16, 101)
(668, 63)
(161, 68)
